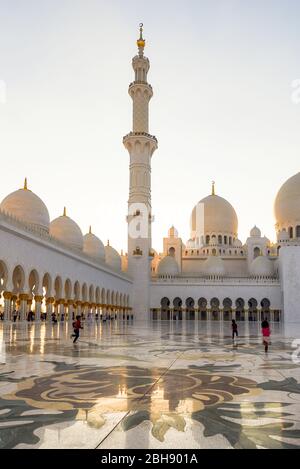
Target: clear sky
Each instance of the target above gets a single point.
(222, 110)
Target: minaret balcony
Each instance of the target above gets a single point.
(140, 82)
(139, 134)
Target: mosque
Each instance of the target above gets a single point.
(51, 267)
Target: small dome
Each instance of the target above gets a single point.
(255, 232)
(168, 266)
(261, 266)
(67, 231)
(214, 265)
(237, 243)
(112, 257)
(93, 246)
(287, 202)
(219, 216)
(28, 207)
(190, 244)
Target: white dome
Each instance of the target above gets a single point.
(214, 265)
(219, 216)
(255, 232)
(67, 231)
(112, 258)
(93, 246)
(282, 235)
(287, 202)
(28, 207)
(168, 266)
(237, 243)
(190, 243)
(261, 266)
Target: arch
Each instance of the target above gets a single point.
(219, 239)
(103, 296)
(98, 295)
(84, 292)
(291, 232)
(91, 294)
(112, 300)
(227, 309)
(202, 306)
(298, 231)
(256, 252)
(252, 305)
(117, 299)
(177, 308)
(77, 290)
(47, 285)
(190, 308)
(230, 240)
(18, 279)
(107, 297)
(172, 251)
(225, 239)
(3, 276)
(33, 282)
(165, 308)
(207, 239)
(265, 309)
(215, 308)
(240, 309)
(68, 289)
(58, 287)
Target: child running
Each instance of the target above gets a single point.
(266, 332)
(76, 325)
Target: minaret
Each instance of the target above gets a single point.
(140, 145)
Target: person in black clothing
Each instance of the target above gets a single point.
(234, 329)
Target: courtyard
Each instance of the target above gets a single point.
(165, 385)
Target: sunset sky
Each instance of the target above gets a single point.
(222, 74)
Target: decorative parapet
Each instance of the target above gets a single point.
(140, 134)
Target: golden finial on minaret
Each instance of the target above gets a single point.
(90, 230)
(25, 185)
(141, 41)
(65, 212)
(213, 188)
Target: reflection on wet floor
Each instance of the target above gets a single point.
(162, 385)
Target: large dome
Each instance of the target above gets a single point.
(112, 257)
(287, 203)
(219, 216)
(28, 207)
(67, 231)
(214, 265)
(261, 266)
(168, 266)
(93, 246)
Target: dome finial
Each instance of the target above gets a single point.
(65, 212)
(25, 185)
(141, 41)
(213, 188)
(90, 229)
(108, 242)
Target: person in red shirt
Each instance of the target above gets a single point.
(76, 325)
(266, 332)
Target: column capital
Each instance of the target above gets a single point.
(23, 296)
(38, 298)
(7, 295)
(50, 300)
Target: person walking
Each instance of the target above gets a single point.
(234, 329)
(77, 326)
(266, 332)
(15, 315)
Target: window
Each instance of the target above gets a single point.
(207, 239)
(230, 240)
(298, 231)
(225, 239)
(220, 239)
(291, 232)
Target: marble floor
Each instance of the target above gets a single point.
(165, 385)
